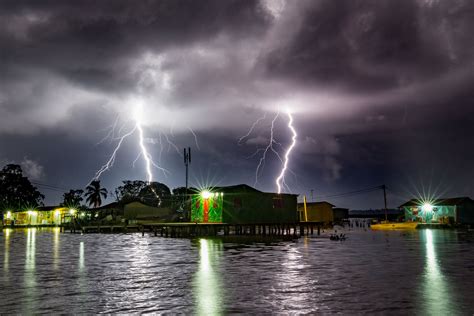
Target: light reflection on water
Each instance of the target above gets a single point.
(436, 289)
(56, 232)
(6, 252)
(29, 278)
(209, 289)
(422, 272)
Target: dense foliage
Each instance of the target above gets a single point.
(16, 191)
(73, 198)
(155, 193)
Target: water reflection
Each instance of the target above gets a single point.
(56, 232)
(208, 287)
(81, 256)
(294, 277)
(436, 293)
(30, 250)
(6, 251)
(29, 274)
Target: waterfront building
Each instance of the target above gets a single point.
(138, 210)
(242, 204)
(340, 214)
(39, 216)
(458, 210)
(316, 212)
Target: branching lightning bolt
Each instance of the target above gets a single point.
(111, 160)
(137, 117)
(281, 178)
(261, 163)
(252, 128)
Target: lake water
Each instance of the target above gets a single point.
(423, 271)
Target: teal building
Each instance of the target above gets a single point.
(458, 210)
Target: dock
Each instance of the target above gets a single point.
(187, 230)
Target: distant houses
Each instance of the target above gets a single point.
(242, 204)
(323, 212)
(40, 216)
(459, 210)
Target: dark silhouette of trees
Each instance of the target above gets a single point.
(181, 191)
(155, 193)
(94, 194)
(16, 191)
(73, 198)
(129, 191)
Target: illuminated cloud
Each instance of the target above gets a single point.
(365, 80)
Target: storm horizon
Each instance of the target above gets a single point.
(380, 92)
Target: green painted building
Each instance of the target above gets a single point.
(242, 204)
(450, 210)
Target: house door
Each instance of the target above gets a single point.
(206, 211)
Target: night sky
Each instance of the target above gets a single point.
(381, 92)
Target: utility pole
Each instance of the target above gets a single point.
(187, 161)
(385, 200)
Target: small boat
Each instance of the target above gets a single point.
(394, 225)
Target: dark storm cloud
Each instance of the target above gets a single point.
(376, 45)
(90, 41)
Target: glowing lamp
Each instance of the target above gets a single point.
(9, 215)
(205, 194)
(30, 212)
(427, 207)
(57, 212)
(72, 211)
(83, 214)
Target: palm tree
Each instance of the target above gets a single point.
(94, 193)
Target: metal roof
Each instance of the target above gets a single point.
(445, 201)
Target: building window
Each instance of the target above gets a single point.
(277, 203)
(237, 203)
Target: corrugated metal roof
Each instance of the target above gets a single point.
(316, 203)
(235, 189)
(241, 188)
(445, 201)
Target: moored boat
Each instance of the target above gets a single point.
(394, 225)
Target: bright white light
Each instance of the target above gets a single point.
(281, 177)
(427, 207)
(30, 212)
(206, 194)
(72, 211)
(138, 117)
(9, 215)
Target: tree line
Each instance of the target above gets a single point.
(18, 193)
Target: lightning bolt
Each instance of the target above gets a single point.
(281, 178)
(261, 163)
(144, 153)
(252, 128)
(111, 160)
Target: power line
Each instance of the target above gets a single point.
(49, 187)
(351, 193)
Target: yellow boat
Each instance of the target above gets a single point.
(394, 225)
